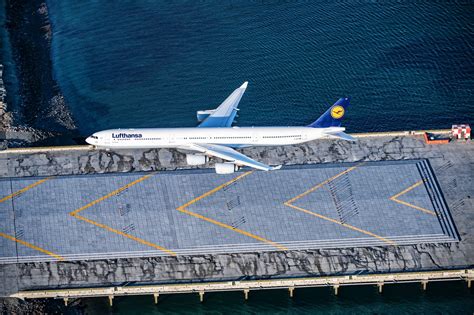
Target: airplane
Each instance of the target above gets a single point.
(216, 137)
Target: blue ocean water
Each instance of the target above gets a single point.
(407, 64)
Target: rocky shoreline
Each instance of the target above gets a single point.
(10, 135)
(12, 306)
(5, 116)
(38, 114)
(27, 31)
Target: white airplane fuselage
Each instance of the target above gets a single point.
(237, 137)
(215, 138)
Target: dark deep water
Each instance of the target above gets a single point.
(440, 298)
(408, 65)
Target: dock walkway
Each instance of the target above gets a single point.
(336, 282)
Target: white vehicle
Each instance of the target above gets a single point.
(215, 137)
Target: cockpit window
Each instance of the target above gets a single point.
(94, 137)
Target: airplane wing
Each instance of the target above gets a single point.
(231, 155)
(225, 113)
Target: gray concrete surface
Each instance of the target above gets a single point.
(248, 214)
(453, 168)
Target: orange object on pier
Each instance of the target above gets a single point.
(432, 139)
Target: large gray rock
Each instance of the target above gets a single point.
(87, 160)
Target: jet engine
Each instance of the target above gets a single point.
(196, 159)
(226, 168)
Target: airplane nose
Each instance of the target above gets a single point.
(89, 140)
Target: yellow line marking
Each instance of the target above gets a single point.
(15, 194)
(288, 203)
(110, 229)
(137, 239)
(21, 191)
(232, 228)
(414, 207)
(343, 224)
(408, 189)
(47, 252)
(322, 184)
(395, 198)
(210, 192)
(113, 193)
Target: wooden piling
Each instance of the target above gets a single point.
(380, 286)
(424, 283)
(291, 290)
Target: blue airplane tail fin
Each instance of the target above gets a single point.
(333, 116)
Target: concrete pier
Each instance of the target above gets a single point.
(245, 286)
(77, 231)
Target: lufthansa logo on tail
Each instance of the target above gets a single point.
(337, 112)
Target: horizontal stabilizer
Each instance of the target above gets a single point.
(343, 136)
